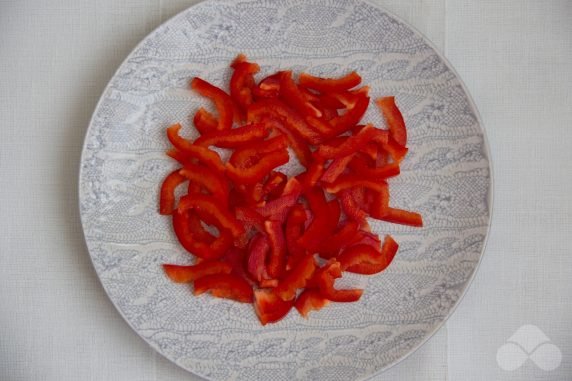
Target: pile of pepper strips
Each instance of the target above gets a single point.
(270, 229)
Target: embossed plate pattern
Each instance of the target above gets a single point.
(446, 177)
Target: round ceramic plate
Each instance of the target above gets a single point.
(446, 177)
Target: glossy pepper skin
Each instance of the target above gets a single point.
(394, 119)
(187, 274)
(325, 85)
(269, 307)
(226, 286)
(167, 194)
(242, 81)
(223, 102)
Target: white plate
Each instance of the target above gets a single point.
(446, 177)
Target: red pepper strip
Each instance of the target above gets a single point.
(370, 150)
(322, 126)
(277, 210)
(326, 217)
(295, 141)
(167, 197)
(336, 168)
(257, 253)
(251, 153)
(331, 247)
(382, 157)
(274, 108)
(236, 258)
(216, 184)
(327, 85)
(192, 237)
(234, 138)
(249, 217)
(367, 238)
(226, 286)
(211, 207)
(380, 173)
(396, 151)
(186, 274)
(310, 300)
(275, 184)
(198, 231)
(190, 152)
(242, 82)
(326, 285)
(394, 119)
(223, 102)
(358, 254)
(268, 87)
(313, 173)
(256, 172)
(204, 121)
(379, 263)
(351, 180)
(351, 208)
(295, 224)
(291, 94)
(351, 117)
(296, 278)
(353, 144)
(403, 217)
(268, 283)
(343, 99)
(277, 260)
(269, 307)
(379, 203)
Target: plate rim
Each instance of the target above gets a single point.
(474, 109)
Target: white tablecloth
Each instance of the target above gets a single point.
(56, 322)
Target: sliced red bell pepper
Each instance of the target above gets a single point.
(394, 119)
(234, 138)
(295, 225)
(292, 96)
(237, 259)
(336, 168)
(268, 87)
(223, 102)
(313, 173)
(353, 144)
(326, 217)
(204, 121)
(373, 264)
(256, 172)
(188, 152)
(350, 180)
(296, 278)
(216, 184)
(275, 184)
(292, 120)
(326, 85)
(322, 126)
(380, 173)
(310, 300)
(211, 207)
(226, 286)
(403, 217)
(277, 260)
(351, 117)
(249, 217)
(257, 253)
(186, 274)
(167, 196)
(295, 141)
(341, 238)
(196, 240)
(251, 154)
(242, 82)
(396, 150)
(270, 307)
(277, 209)
(350, 207)
(326, 280)
(379, 203)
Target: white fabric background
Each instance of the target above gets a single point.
(56, 57)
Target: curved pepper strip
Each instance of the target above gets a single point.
(167, 196)
(296, 278)
(249, 217)
(188, 152)
(350, 180)
(310, 300)
(351, 117)
(210, 180)
(234, 138)
(277, 260)
(351, 207)
(210, 206)
(256, 172)
(336, 168)
(204, 121)
(187, 274)
(331, 247)
(325, 283)
(270, 307)
(277, 210)
(379, 204)
(295, 226)
(193, 237)
(396, 150)
(326, 217)
(251, 154)
(326, 85)
(226, 286)
(268, 87)
(353, 144)
(223, 102)
(275, 108)
(242, 82)
(257, 253)
(291, 94)
(403, 217)
(394, 119)
(379, 173)
(374, 263)
(236, 258)
(297, 144)
(275, 184)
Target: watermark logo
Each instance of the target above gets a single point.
(529, 342)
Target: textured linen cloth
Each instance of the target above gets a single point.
(56, 323)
